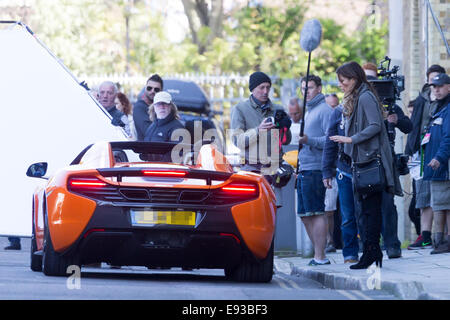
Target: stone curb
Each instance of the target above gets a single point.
(404, 290)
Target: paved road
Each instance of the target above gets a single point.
(17, 281)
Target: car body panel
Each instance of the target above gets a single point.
(256, 221)
(68, 215)
(38, 217)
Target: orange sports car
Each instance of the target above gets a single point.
(128, 203)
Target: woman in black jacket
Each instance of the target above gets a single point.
(164, 116)
(365, 139)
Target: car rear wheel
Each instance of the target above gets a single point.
(35, 260)
(250, 270)
(54, 264)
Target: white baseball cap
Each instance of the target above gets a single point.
(162, 96)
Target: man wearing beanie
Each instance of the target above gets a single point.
(253, 129)
(257, 78)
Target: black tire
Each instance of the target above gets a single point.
(251, 270)
(54, 264)
(35, 260)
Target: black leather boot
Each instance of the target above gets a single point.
(371, 224)
(372, 253)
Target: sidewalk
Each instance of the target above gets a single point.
(416, 275)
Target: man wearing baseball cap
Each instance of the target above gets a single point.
(424, 106)
(437, 155)
(163, 114)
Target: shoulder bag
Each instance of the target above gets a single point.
(368, 176)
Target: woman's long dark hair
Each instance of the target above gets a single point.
(352, 70)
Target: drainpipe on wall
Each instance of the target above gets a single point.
(425, 33)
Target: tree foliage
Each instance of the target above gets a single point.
(267, 39)
(205, 21)
(90, 36)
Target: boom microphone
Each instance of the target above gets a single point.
(311, 35)
(309, 40)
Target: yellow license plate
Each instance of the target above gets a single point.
(149, 217)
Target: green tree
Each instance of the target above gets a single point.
(205, 21)
(267, 38)
(90, 36)
(271, 34)
(372, 40)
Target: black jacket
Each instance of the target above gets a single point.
(161, 129)
(413, 140)
(116, 115)
(404, 124)
(141, 118)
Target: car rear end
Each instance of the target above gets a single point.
(160, 214)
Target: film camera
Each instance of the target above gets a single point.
(388, 89)
(390, 85)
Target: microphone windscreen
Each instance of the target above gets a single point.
(311, 35)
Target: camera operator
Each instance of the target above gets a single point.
(424, 106)
(258, 118)
(395, 119)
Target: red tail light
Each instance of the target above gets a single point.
(165, 173)
(92, 230)
(86, 183)
(231, 235)
(240, 189)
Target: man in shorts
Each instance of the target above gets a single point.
(425, 105)
(310, 189)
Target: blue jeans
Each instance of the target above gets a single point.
(349, 226)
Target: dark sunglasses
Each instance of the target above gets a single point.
(155, 89)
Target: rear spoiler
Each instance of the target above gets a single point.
(187, 173)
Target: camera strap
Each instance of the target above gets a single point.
(283, 136)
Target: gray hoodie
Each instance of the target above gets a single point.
(316, 124)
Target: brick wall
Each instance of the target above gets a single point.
(414, 36)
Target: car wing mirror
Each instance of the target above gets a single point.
(37, 170)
